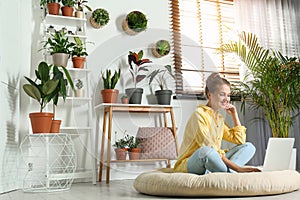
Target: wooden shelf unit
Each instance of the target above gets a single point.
(108, 110)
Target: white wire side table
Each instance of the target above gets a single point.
(49, 161)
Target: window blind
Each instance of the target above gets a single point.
(199, 27)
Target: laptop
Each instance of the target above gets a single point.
(278, 154)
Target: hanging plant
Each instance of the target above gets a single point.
(161, 48)
(134, 23)
(99, 18)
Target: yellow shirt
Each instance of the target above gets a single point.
(203, 129)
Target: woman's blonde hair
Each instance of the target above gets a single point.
(213, 82)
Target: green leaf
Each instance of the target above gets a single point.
(32, 91)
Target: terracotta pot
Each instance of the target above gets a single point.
(79, 14)
(53, 8)
(67, 11)
(134, 153)
(121, 153)
(125, 100)
(78, 62)
(109, 95)
(41, 122)
(55, 126)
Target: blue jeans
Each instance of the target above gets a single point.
(207, 159)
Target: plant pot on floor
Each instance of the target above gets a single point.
(109, 95)
(60, 59)
(135, 95)
(41, 122)
(121, 153)
(163, 97)
(134, 153)
(55, 126)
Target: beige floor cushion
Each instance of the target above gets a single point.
(166, 183)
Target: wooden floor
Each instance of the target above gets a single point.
(121, 189)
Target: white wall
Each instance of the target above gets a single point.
(15, 53)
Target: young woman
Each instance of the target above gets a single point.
(200, 151)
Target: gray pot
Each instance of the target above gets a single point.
(60, 59)
(163, 97)
(135, 95)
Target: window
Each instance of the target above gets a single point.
(199, 27)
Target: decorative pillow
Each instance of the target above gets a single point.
(157, 142)
(165, 183)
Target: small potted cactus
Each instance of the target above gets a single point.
(79, 91)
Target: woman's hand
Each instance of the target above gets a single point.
(248, 169)
(230, 109)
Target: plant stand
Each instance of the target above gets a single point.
(49, 161)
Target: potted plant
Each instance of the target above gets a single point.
(109, 93)
(44, 88)
(78, 53)
(134, 23)
(59, 46)
(161, 76)
(272, 83)
(99, 18)
(61, 92)
(121, 146)
(133, 147)
(68, 7)
(124, 99)
(161, 48)
(136, 66)
(52, 6)
(79, 92)
(80, 4)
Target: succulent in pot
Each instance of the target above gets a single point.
(109, 93)
(79, 92)
(161, 48)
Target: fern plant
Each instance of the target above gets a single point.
(272, 83)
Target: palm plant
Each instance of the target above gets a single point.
(272, 83)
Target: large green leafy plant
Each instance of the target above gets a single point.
(58, 43)
(272, 84)
(48, 84)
